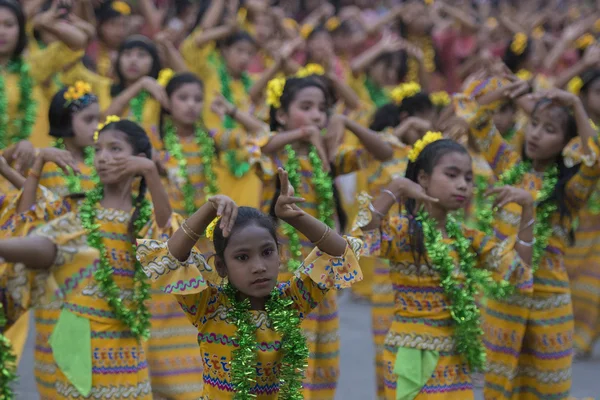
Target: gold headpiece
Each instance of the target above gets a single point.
(274, 91)
(420, 144)
(519, 43)
(165, 76)
(110, 119)
(404, 90)
(440, 99)
(121, 7)
(210, 229)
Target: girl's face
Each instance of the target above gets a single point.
(186, 103)
(545, 136)
(264, 28)
(591, 99)
(238, 56)
(251, 261)
(320, 48)
(451, 181)
(112, 145)
(384, 74)
(309, 108)
(114, 31)
(504, 119)
(9, 32)
(135, 63)
(84, 124)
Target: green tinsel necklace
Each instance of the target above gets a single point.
(8, 362)
(74, 181)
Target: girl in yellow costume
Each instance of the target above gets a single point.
(436, 327)
(298, 115)
(220, 58)
(21, 101)
(249, 328)
(529, 338)
(91, 268)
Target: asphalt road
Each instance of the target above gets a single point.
(358, 379)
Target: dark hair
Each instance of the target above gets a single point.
(589, 77)
(16, 8)
(60, 116)
(132, 42)
(174, 84)
(565, 173)
(246, 216)
(508, 105)
(37, 34)
(389, 115)
(389, 58)
(426, 162)
(238, 36)
(137, 138)
(513, 60)
(105, 12)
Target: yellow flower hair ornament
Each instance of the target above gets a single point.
(77, 91)
(165, 76)
(274, 91)
(310, 69)
(306, 30)
(585, 41)
(538, 32)
(491, 22)
(121, 7)
(440, 99)
(210, 229)
(404, 91)
(574, 86)
(420, 144)
(332, 24)
(109, 120)
(524, 75)
(519, 43)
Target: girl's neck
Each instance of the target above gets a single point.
(233, 74)
(4, 60)
(183, 130)
(541, 165)
(118, 196)
(75, 151)
(301, 148)
(440, 216)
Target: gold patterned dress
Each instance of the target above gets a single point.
(206, 306)
(530, 338)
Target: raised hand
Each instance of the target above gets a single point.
(312, 135)
(563, 97)
(403, 187)
(221, 106)
(286, 207)
(62, 158)
(510, 194)
(23, 156)
(156, 90)
(227, 210)
(131, 166)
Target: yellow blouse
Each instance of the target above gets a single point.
(54, 179)
(206, 307)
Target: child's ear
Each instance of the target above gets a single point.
(423, 179)
(220, 266)
(281, 117)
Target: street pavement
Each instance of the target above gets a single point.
(358, 376)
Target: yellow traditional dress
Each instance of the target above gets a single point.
(206, 307)
(530, 338)
(422, 327)
(206, 62)
(111, 360)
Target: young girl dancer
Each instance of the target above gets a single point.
(91, 268)
(530, 339)
(249, 327)
(436, 268)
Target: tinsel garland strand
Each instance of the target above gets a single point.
(225, 80)
(73, 180)
(137, 106)
(8, 362)
(376, 94)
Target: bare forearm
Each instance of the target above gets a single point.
(314, 230)
(258, 88)
(381, 150)
(181, 244)
(252, 124)
(213, 14)
(29, 194)
(280, 140)
(69, 34)
(35, 252)
(204, 38)
(160, 198)
(15, 179)
(584, 128)
(360, 63)
(382, 204)
(121, 102)
(345, 92)
(526, 234)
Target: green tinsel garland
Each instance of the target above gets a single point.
(138, 320)
(542, 229)
(137, 106)
(325, 202)
(207, 157)
(286, 321)
(74, 181)
(8, 362)
(225, 80)
(27, 107)
(377, 94)
(463, 307)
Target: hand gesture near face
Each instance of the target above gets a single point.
(510, 194)
(62, 158)
(227, 210)
(286, 207)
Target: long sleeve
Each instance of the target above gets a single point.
(580, 187)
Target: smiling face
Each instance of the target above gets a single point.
(250, 261)
(112, 145)
(186, 103)
(546, 136)
(9, 32)
(309, 108)
(84, 125)
(451, 180)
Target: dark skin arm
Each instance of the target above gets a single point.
(36, 252)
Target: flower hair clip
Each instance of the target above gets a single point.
(79, 95)
(310, 69)
(420, 144)
(165, 76)
(440, 99)
(109, 120)
(274, 91)
(210, 229)
(332, 24)
(121, 7)
(519, 43)
(585, 41)
(404, 91)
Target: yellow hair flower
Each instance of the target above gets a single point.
(585, 41)
(491, 22)
(538, 32)
(242, 15)
(440, 99)
(306, 30)
(121, 7)
(404, 91)
(420, 144)
(274, 91)
(519, 43)
(429, 2)
(77, 91)
(332, 24)
(290, 23)
(310, 69)
(109, 120)
(524, 75)
(165, 76)
(575, 85)
(210, 229)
